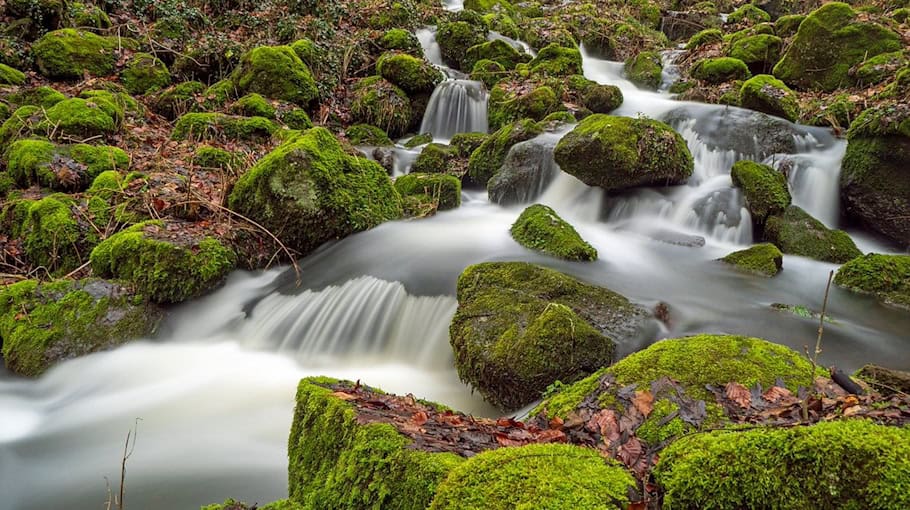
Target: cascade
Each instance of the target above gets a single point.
(456, 106)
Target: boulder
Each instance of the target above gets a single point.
(254, 105)
(275, 72)
(145, 73)
(720, 70)
(766, 94)
(760, 52)
(539, 228)
(886, 277)
(509, 103)
(765, 189)
(456, 37)
(748, 15)
(556, 60)
(60, 167)
(486, 160)
(365, 134)
(602, 98)
(886, 381)
(526, 172)
(218, 126)
(423, 194)
(706, 36)
(381, 104)
(762, 259)
(796, 232)
(411, 74)
(435, 158)
(497, 51)
(10, 76)
(70, 54)
(488, 72)
(645, 69)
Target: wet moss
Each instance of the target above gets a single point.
(488, 72)
(218, 126)
(382, 104)
(508, 104)
(706, 36)
(418, 140)
(765, 189)
(275, 72)
(365, 134)
(439, 191)
(764, 259)
(556, 60)
(435, 158)
(486, 160)
(496, 50)
(766, 94)
(411, 74)
(884, 276)
(145, 73)
(797, 233)
(539, 228)
(645, 69)
(70, 53)
(720, 70)
(10, 76)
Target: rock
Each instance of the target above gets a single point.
(218, 126)
(70, 54)
(556, 60)
(435, 158)
(885, 380)
(78, 118)
(206, 156)
(645, 69)
(539, 228)
(795, 232)
(749, 15)
(382, 104)
(771, 467)
(874, 182)
(42, 324)
(60, 167)
(677, 238)
(427, 193)
(489, 157)
(519, 327)
(526, 172)
(309, 191)
(497, 51)
(618, 153)
(175, 101)
(161, 268)
(763, 259)
(828, 43)
(602, 98)
(706, 36)
(885, 276)
(720, 70)
(365, 134)
(42, 96)
(145, 73)
(275, 72)
(253, 105)
(396, 39)
(766, 94)
(765, 189)
(787, 26)
(418, 140)
(759, 52)
(880, 67)
(455, 38)
(509, 103)
(413, 75)
(536, 476)
(10, 76)
(385, 156)
(488, 72)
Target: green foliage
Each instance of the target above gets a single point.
(442, 191)
(645, 69)
(764, 187)
(275, 72)
(796, 232)
(842, 464)
(69, 54)
(218, 126)
(365, 134)
(706, 36)
(145, 73)
(411, 74)
(540, 228)
(486, 160)
(10, 76)
(885, 276)
(382, 104)
(767, 94)
(763, 259)
(720, 70)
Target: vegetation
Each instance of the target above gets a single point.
(540, 228)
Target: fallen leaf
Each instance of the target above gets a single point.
(344, 396)
(738, 394)
(419, 418)
(644, 402)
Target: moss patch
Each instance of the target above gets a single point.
(765, 189)
(645, 69)
(145, 73)
(766, 94)
(486, 160)
(885, 276)
(540, 228)
(720, 70)
(10, 76)
(365, 134)
(556, 60)
(411, 74)
(763, 259)
(382, 104)
(218, 126)
(69, 54)
(275, 72)
(797, 233)
(440, 191)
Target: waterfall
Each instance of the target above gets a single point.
(814, 180)
(427, 38)
(456, 106)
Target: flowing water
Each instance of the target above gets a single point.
(215, 390)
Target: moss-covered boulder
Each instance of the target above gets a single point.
(602, 98)
(411, 74)
(748, 14)
(865, 466)
(42, 96)
(397, 39)
(765, 93)
(45, 323)
(525, 174)
(68, 168)
(365, 134)
(763, 259)
(488, 72)
(78, 118)
(880, 67)
(10, 76)
(423, 194)
(765, 189)
(535, 476)
(556, 60)
(456, 37)
(435, 158)
(309, 191)
(539, 228)
(70, 54)
(336, 461)
(161, 268)
(254, 105)
(617, 153)
(830, 41)
(175, 101)
(797, 233)
(884, 276)
(496, 50)
(874, 182)
(703, 37)
(210, 157)
(508, 103)
(645, 69)
(520, 327)
(380, 103)
(218, 126)
(486, 160)
(145, 73)
(760, 52)
(275, 72)
(19, 124)
(720, 70)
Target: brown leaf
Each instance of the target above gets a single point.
(739, 394)
(556, 423)
(606, 424)
(852, 410)
(776, 393)
(551, 436)
(631, 452)
(419, 418)
(850, 401)
(344, 396)
(644, 402)
(505, 440)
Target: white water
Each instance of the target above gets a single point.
(456, 106)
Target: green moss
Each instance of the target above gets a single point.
(797, 233)
(767, 94)
(843, 464)
(508, 104)
(749, 14)
(145, 73)
(70, 54)
(50, 233)
(10, 76)
(441, 191)
(178, 100)
(43, 323)
(829, 42)
(89, 16)
(885, 276)
(486, 160)
(880, 67)
(117, 104)
(617, 153)
(275, 72)
(213, 157)
(496, 50)
(212, 126)
(162, 270)
(77, 118)
(540, 228)
(254, 105)
(336, 462)
(706, 36)
(42, 96)
(763, 259)
(456, 37)
(662, 425)
(467, 143)
(398, 39)
(759, 52)
(535, 476)
(365, 134)
(219, 94)
(106, 185)
(602, 98)
(19, 124)
(295, 118)
(786, 26)
(488, 72)
(27, 162)
(99, 158)
(382, 104)
(411, 74)
(765, 189)
(309, 191)
(720, 70)
(418, 140)
(435, 158)
(556, 60)
(645, 69)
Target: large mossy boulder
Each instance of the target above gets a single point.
(764, 188)
(426, 193)
(44, 323)
(796, 232)
(830, 41)
(145, 73)
(486, 160)
(618, 153)
(275, 72)
(763, 259)
(508, 103)
(864, 465)
(874, 180)
(78, 118)
(380, 103)
(535, 476)
(60, 167)
(885, 276)
(760, 52)
(456, 37)
(309, 191)
(720, 70)
(764, 93)
(160, 267)
(539, 228)
(70, 54)
(497, 51)
(556, 60)
(218, 126)
(411, 74)
(336, 461)
(645, 69)
(601, 98)
(520, 327)
(435, 158)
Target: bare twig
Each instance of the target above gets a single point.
(813, 358)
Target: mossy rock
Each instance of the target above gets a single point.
(42, 324)
(47, 14)
(42, 96)
(884, 276)
(210, 157)
(382, 104)
(467, 143)
(786, 26)
(645, 69)
(115, 102)
(70, 54)
(77, 118)
(880, 67)
(309, 191)
(39, 162)
(435, 158)
(796, 232)
(619, 41)
(398, 39)
(539, 228)
(488, 72)
(617, 153)
(145, 73)
(486, 160)
(456, 37)
(496, 50)
(275, 72)
(365, 134)
(764, 187)
(865, 466)
(254, 105)
(759, 52)
(19, 124)
(765, 93)
(218, 94)
(556, 60)
(508, 104)
(520, 327)
(748, 14)
(602, 98)
(51, 234)
(411, 74)
(337, 462)
(763, 259)
(165, 271)
(10, 76)
(828, 43)
(88, 16)
(535, 476)
(218, 126)
(886, 381)
(175, 101)
(720, 70)
(706, 36)
(434, 192)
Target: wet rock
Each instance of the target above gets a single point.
(527, 171)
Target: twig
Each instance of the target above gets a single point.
(813, 359)
(80, 268)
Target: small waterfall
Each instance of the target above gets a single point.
(453, 5)
(814, 180)
(573, 198)
(670, 73)
(527, 171)
(456, 106)
(427, 38)
(709, 161)
(515, 43)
